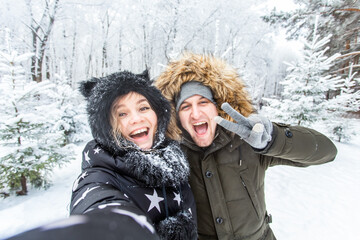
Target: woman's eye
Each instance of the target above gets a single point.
(142, 109)
(122, 114)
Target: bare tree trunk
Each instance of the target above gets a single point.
(172, 34)
(33, 68)
(104, 59)
(23, 190)
(145, 50)
(39, 70)
(120, 51)
(89, 59)
(41, 31)
(73, 60)
(106, 23)
(216, 50)
(47, 67)
(88, 65)
(356, 43)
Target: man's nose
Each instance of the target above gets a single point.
(195, 113)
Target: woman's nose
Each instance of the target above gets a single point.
(135, 118)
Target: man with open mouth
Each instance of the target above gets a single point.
(197, 109)
(229, 147)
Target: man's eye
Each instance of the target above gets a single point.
(204, 101)
(184, 107)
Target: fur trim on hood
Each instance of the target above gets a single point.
(223, 80)
(100, 93)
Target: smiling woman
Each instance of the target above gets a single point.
(133, 117)
(131, 165)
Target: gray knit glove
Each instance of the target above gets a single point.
(255, 129)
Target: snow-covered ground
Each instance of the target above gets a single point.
(318, 202)
(315, 203)
(39, 207)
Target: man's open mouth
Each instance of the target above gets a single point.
(139, 133)
(200, 127)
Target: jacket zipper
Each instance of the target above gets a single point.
(248, 193)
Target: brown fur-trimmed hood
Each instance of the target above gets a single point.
(223, 80)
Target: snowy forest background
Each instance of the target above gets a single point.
(300, 61)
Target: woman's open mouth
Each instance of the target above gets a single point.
(200, 127)
(140, 133)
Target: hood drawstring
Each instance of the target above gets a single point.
(181, 197)
(165, 201)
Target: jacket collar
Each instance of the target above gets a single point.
(166, 166)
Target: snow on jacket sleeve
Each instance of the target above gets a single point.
(298, 146)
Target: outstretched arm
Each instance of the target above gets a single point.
(105, 222)
(298, 146)
(281, 144)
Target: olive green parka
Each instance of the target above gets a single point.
(227, 178)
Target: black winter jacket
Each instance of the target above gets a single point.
(110, 181)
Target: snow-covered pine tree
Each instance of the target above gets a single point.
(74, 120)
(348, 100)
(30, 143)
(340, 18)
(304, 98)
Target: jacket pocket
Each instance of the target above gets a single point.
(252, 196)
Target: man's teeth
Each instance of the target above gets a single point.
(199, 123)
(139, 131)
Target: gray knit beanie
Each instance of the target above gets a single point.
(190, 89)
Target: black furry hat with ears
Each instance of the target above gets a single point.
(100, 93)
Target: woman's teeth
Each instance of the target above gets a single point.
(139, 133)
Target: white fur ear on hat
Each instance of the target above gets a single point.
(192, 88)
